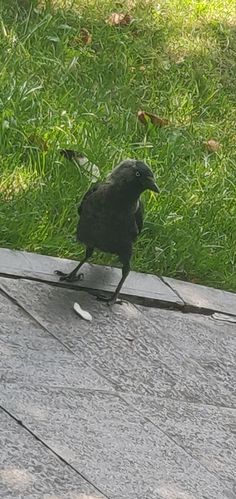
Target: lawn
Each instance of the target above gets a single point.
(177, 58)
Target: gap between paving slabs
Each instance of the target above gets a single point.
(35, 285)
(140, 288)
(11, 283)
(54, 453)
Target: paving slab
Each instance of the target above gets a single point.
(137, 287)
(208, 342)
(206, 432)
(108, 441)
(136, 349)
(203, 297)
(28, 470)
(31, 355)
(140, 401)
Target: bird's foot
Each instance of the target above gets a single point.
(69, 277)
(109, 300)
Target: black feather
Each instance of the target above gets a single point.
(69, 154)
(111, 214)
(139, 214)
(92, 189)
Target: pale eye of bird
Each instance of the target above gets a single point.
(138, 174)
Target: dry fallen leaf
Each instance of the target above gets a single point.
(212, 145)
(142, 117)
(37, 141)
(86, 37)
(119, 19)
(145, 116)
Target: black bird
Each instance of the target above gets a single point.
(111, 216)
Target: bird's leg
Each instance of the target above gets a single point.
(73, 276)
(113, 298)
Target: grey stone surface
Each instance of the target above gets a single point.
(138, 286)
(30, 471)
(206, 432)
(29, 355)
(207, 342)
(138, 349)
(108, 441)
(140, 401)
(203, 296)
(96, 277)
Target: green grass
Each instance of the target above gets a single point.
(68, 94)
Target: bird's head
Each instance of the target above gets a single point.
(136, 174)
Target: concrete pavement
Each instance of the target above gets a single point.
(140, 403)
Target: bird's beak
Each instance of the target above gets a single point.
(151, 185)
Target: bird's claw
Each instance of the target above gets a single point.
(105, 299)
(109, 300)
(59, 272)
(69, 277)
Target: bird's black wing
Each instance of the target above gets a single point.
(139, 216)
(92, 189)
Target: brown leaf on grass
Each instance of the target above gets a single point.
(37, 141)
(145, 116)
(212, 145)
(85, 36)
(142, 117)
(119, 19)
